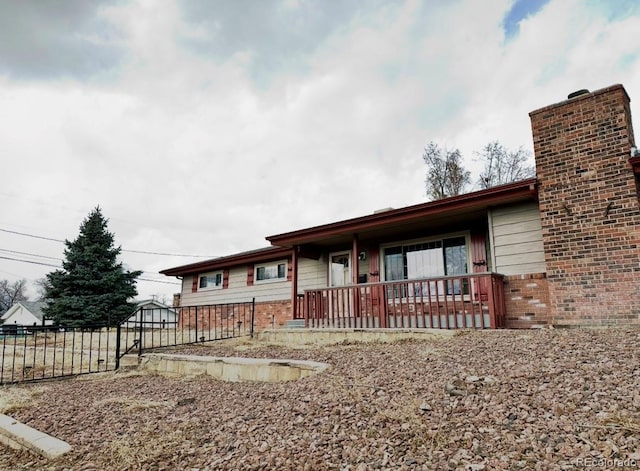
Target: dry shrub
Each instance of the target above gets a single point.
(134, 404)
(132, 451)
(14, 398)
(623, 421)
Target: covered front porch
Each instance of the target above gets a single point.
(427, 266)
(472, 301)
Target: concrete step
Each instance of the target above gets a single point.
(295, 324)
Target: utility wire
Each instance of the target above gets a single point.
(160, 281)
(30, 261)
(58, 266)
(30, 254)
(55, 258)
(31, 235)
(124, 250)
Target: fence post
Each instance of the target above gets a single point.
(141, 333)
(117, 345)
(253, 310)
(196, 325)
(492, 305)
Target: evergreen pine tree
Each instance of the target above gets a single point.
(92, 288)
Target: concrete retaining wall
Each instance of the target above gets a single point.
(231, 368)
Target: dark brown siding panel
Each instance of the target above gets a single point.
(194, 285)
(479, 264)
(478, 253)
(374, 264)
(225, 278)
(250, 270)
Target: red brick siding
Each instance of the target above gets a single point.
(526, 299)
(589, 208)
(272, 314)
(267, 315)
(223, 318)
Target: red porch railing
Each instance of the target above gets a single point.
(472, 301)
(299, 312)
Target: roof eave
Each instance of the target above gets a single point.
(228, 262)
(490, 196)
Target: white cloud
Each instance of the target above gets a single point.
(208, 149)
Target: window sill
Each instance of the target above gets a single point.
(266, 282)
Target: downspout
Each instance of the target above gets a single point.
(294, 281)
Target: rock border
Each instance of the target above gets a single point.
(233, 369)
(20, 436)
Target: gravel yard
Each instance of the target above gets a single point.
(548, 399)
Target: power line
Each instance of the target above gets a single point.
(55, 258)
(30, 254)
(30, 261)
(31, 235)
(124, 250)
(58, 266)
(160, 281)
(168, 254)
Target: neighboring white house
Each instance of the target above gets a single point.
(153, 314)
(26, 313)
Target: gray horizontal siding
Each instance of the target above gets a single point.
(517, 240)
(311, 274)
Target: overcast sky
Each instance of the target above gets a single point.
(201, 127)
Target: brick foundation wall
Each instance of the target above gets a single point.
(272, 314)
(221, 318)
(267, 315)
(589, 208)
(526, 299)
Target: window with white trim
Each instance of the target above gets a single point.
(427, 259)
(210, 281)
(269, 272)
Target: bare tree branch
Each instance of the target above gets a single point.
(11, 293)
(503, 166)
(42, 284)
(445, 174)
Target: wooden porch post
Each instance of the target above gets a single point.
(294, 281)
(355, 259)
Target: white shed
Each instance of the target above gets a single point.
(153, 315)
(26, 313)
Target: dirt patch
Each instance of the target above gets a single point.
(550, 399)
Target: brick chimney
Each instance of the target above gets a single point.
(589, 208)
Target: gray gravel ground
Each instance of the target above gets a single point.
(549, 399)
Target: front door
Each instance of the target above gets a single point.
(340, 300)
(340, 269)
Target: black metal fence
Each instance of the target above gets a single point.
(32, 353)
(29, 353)
(150, 329)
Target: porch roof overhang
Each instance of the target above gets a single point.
(254, 256)
(434, 215)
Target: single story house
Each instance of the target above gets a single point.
(25, 313)
(153, 315)
(562, 248)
